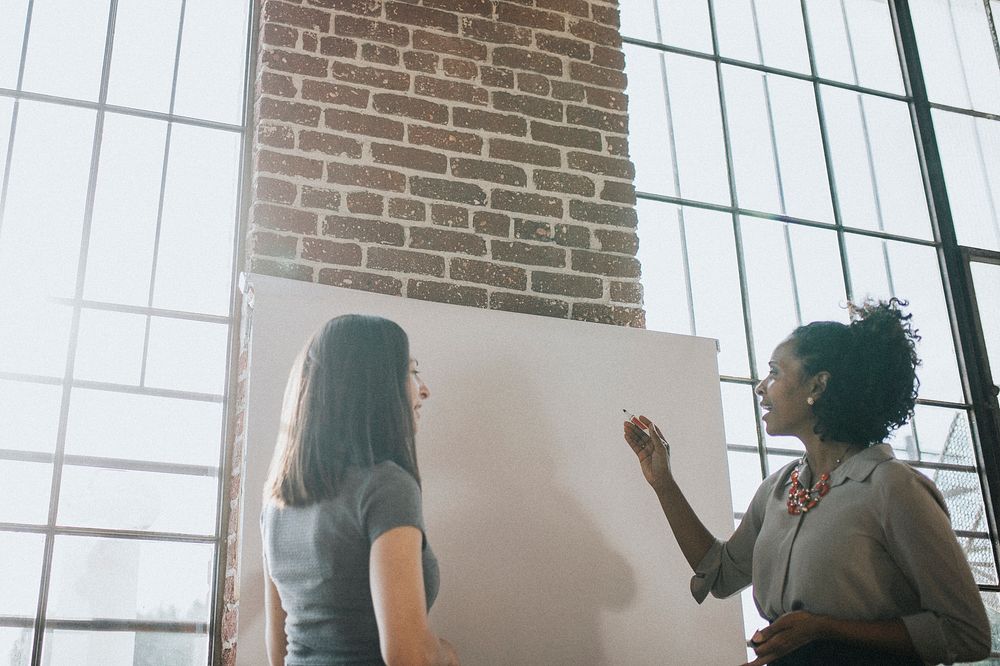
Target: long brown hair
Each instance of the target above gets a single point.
(345, 405)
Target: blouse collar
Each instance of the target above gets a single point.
(857, 468)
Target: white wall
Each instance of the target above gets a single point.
(553, 549)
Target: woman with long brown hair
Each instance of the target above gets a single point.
(350, 576)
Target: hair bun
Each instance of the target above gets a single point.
(872, 364)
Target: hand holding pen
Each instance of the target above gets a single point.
(650, 446)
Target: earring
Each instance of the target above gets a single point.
(810, 400)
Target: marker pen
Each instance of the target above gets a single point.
(635, 419)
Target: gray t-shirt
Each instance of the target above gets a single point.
(878, 546)
(318, 555)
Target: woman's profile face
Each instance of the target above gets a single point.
(416, 391)
(783, 394)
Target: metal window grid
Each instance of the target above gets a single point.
(58, 458)
(986, 439)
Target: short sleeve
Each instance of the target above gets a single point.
(391, 499)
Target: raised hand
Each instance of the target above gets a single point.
(651, 448)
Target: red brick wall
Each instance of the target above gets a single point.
(465, 151)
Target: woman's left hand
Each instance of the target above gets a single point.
(785, 635)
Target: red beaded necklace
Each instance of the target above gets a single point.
(800, 500)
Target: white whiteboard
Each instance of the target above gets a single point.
(553, 549)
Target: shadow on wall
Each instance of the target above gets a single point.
(526, 574)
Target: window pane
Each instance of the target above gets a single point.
(120, 254)
(793, 277)
(142, 63)
(853, 41)
(29, 419)
(129, 579)
(649, 139)
(42, 227)
(66, 48)
(769, 284)
(776, 461)
(762, 109)
(744, 467)
(110, 347)
(667, 233)
(986, 282)
(715, 285)
(35, 338)
(21, 562)
(744, 478)
(748, 29)
(677, 147)
(697, 125)
(129, 500)
(754, 165)
(970, 157)
(804, 180)
(683, 23)
(6, 115)
(881, 269)
(194, 263)
(142, 427)
(875, 165)
(936, 434)
(212, 60)
(964, 498)
(120, 647)
(638, 20)
(13, 13)
(24, 493)
(980, 554)
(15, 644)
(956, 53)
(661, 254)
(187, 355)
(818, 274)
(992, 599)
(741, 421)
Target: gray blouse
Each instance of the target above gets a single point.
(878, 546)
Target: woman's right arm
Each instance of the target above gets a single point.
(397, 586)
(653, 452)
(274, 618)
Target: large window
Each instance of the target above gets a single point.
(792, 155)
(122, 130)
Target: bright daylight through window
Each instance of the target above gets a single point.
(121, 141)
(790, 155)
(779, 169)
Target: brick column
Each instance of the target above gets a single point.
(464, 151)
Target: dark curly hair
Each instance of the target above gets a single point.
(872, 364)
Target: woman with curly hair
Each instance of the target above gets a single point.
(850, 552)
(349, 575)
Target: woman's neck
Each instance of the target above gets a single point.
(826, 456)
